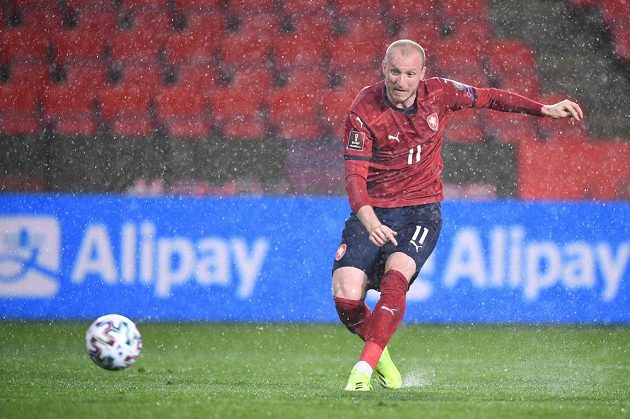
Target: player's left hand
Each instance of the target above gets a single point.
(563, 109)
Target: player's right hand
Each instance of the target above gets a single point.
(382, 234)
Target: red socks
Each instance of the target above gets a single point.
(387, 315)
(354, 314)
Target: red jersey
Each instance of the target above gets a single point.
(393, 156)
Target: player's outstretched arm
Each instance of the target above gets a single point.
(563, 109)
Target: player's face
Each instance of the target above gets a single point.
(402, 75)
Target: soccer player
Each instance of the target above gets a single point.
(393, 163)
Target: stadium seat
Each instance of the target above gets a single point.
(89, 5)
(299, 50)
(504, 127)
(412, 10)
(95, 24)
(354, 48)
(511, 57)
(524, 85)
(266, 26)
(134, 48)
(187, 48)
(147, 77)
(125, 109)
(134, 6)
(32, 76)
(467, 31)
(621, 37)
(23, 45)
(463, 127)
(356, 8)
(204, 78)
(182, 110)
(614, 12)
(334, 108)
(91, 77)
(455, 56)
(426, 32)
(188, 6)
(243, 50)
(302, 8)
(251, 7)
(293, 108)
(78, 47)
(237, 113)
(69, 108)
(40, 19)
(18, 106)
(453, 10)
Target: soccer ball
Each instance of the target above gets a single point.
(113, 342)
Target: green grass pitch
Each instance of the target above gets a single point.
(206, 370)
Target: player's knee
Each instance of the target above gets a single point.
(349, 283)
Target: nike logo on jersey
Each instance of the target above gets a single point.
(391, 310)
(391, 137)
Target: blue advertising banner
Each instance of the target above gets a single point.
(269, 259)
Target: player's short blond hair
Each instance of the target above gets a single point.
(406, 46)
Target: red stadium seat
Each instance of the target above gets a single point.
(455, 56)
(143, 5)
(187, 48)
(455, 9)
(187, 6)
(298, 50)
(96, 23)
(621, 37)
(182, 110)
(125, 109)
(244, 7)
(293, 114)
(614, 12)
(135, 47)
(18, 105)
(511, 57)
(524, 85)
(145, 77)
(24, 45)
(69, 107)
(357, 49)
(41, 20)
(78, 47)
(201, 77)
(30, 76)
(463, 127)
(356, 8)
(90, 77)
(505, 127)
(467, 31)
(426, 32)
(89, 5)
(302, 8)
(238, 114)
(266, 26)
(242, 50)
(412, 10)
(334, 108)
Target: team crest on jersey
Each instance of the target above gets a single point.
(433, 121)
(341, 250)
(356, 140)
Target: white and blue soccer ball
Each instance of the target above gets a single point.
(113, 342)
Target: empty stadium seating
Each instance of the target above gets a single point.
(195, 67)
